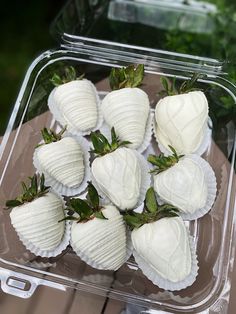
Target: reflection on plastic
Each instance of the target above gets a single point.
(193, 16)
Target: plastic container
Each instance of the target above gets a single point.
(21, 272)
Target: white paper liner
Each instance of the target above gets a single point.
(201, 149)
(48, 253)
(145, 182)
(166, 284)
(59, 118)
(211, 188)
(106, 131)
(57, 186)
(94, 264)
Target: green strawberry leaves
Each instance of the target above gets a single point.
(134, 220)
(35, 189)
(92, 196)
(152, 212)
(68, 76)
(99, 215)
(56, 80)
(170, 88)
(86, 209)
(13, 203)
(50, 136)
(101, 144)
(129, 76)
(163, 162)
(188, 85)
(150, 201)
(81, 207)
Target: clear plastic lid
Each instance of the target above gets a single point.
(201, 28)
(198, 28)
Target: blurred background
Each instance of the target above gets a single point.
(24, 35)
(203, 28)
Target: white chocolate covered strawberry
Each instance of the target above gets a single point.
(98, 234)
(162, 246)
(74, 102)
(117, 172)
(187, 182)
(62, 160)
(183, 185)
(35, 215)
(181, 120)
(126, 108)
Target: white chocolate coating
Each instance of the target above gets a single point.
(183, 185)
(127, 110)
(101, 243)
(37, 221)
(164, 245)
(63, 160)
(181, 121)
(118, 176)
(77, 103)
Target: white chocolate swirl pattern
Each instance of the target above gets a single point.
(118, 176)
(127, 110)
(99, 242)
(183, 186)
(77, 103)
(63, 161)
(181, 121)
(164, 245)
(37, 221)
